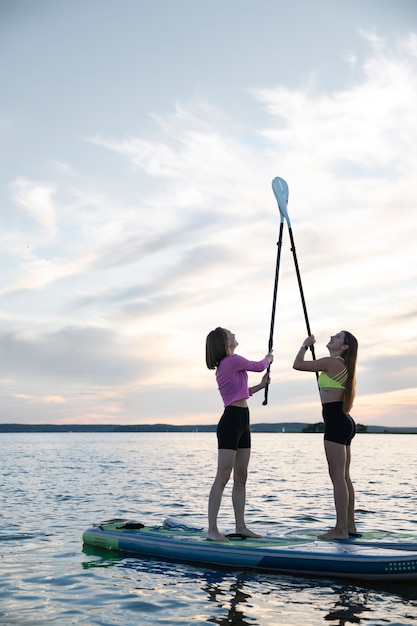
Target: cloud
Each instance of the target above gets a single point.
(69, 357)
(36, 273)
(395, 408)
(119, 290)
(37, 200)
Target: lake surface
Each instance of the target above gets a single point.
(54, 486)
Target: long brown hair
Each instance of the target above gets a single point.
(216, 347)
(350, 355)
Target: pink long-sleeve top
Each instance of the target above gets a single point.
(232, 377)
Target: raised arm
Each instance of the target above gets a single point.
(318, 365)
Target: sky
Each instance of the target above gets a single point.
(139, 142)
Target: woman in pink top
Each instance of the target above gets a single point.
(233, 430)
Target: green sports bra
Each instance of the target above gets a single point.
(338, 382)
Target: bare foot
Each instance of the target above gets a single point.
(216, 536)
(334, 535)
(247, 533)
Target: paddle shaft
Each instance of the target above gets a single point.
(303, 302)
(274, 302)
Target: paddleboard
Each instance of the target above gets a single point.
(282, 554)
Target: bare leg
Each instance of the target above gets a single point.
(240, 475)
(336, 460)
(225, 462)
(351, 507)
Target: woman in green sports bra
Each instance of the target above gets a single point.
(336, 383)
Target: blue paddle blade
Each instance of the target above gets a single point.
(280, 189)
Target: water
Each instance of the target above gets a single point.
(55, 485)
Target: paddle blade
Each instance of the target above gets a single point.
(281, 193)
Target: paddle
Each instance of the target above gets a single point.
(284, 199)
(280, 189)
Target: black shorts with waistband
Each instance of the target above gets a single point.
(233, 430)
(339, 427)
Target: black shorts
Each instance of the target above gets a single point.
(233, 430)
(338, 425)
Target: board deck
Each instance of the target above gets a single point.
(373, 539)
(288, 552)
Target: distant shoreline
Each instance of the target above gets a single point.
(284, 427)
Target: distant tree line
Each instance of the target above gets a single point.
(319, 428)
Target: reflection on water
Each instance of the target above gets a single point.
(254, 599)
(55, 486)
(233, 613)
(348, 608)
